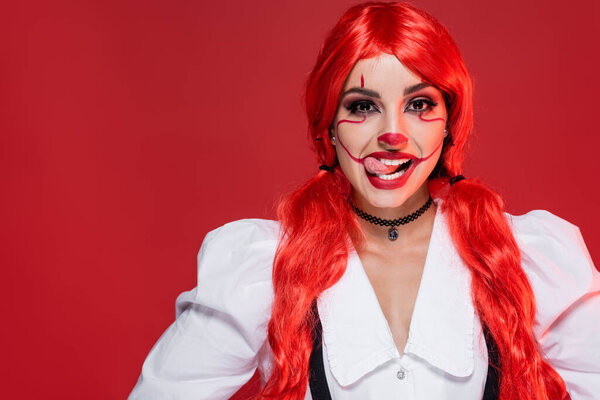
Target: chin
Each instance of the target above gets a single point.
(389, 199)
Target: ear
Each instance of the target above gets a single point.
(445, 132)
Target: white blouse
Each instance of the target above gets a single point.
(219, 336)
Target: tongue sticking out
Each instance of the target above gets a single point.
(374, 166)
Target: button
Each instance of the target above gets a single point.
(401, 374)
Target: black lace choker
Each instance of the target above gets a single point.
(392, 223)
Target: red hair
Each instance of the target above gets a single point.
(316, 219)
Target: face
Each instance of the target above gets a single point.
(388, 131)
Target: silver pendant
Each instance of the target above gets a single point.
(393, 233)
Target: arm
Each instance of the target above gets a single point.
(567, 290)
(572, 346)
(212, 348)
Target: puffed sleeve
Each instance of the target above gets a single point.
(567, 290)
(212, 348)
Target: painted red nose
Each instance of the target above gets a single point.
(392, 139)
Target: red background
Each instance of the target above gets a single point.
(129, 129)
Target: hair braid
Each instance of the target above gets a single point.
(501, 291)
(311, 257)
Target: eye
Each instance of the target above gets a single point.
(362, 107)
(419, 105)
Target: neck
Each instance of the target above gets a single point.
(377, 235)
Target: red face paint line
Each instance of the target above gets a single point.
(430, 120)
(358, 160)
(362, 81)
(385, 154)
(392, 138)
(393, 183)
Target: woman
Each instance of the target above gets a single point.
(449, 298)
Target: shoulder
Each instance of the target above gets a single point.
(235, 264)
(244, 231)
(543, 236)
(546, 241)
(556, 261)
(236, 239)
(237, 252)
(540, 224)
(239, 249)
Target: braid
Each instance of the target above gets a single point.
(311, 257)
(501, 292)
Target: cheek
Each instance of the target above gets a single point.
(352, 137)
(430, 118)
(426, 135)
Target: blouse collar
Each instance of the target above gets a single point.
(357, 336)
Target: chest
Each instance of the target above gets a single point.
(445, 357)
(395, 279)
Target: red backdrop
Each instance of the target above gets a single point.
(131, 128)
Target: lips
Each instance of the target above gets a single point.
(386, 163)
(384, 166)
(397, 155)
(389, 184)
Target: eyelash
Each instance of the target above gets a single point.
(430, 103)
(353, 108)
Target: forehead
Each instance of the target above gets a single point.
(383, 71)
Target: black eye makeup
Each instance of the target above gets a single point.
(362, 107)
(420, 105)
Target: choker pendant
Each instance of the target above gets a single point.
(393, 233)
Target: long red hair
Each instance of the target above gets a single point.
(317, 223)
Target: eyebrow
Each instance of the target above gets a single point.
(364, 91)
(414, 88)
(372, 93)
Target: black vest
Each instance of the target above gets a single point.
(318, 382)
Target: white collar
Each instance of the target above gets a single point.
(357, 336)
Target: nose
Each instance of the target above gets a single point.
(393, 123)
(392, 139)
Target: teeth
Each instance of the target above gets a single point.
(392, 176)
(393, 162)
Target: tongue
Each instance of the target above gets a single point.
(374, 166)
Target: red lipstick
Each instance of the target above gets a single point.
(396, 155)
(390, 184)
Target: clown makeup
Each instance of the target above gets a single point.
(389, 130)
